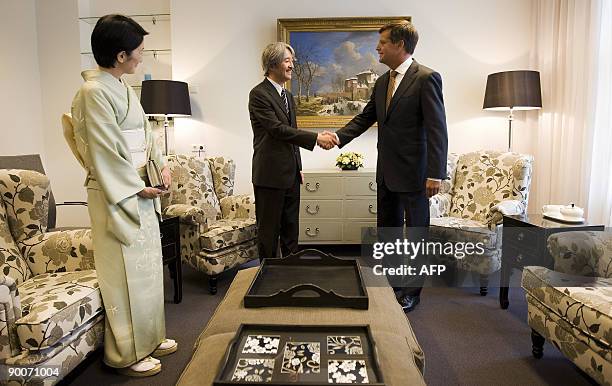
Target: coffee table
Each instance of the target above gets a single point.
(400, 356)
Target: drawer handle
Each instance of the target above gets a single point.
(161, 235)
(315, 234)
(313, 212)
(372, 186)
(308, 188)
(520, 236)
(371, 209)
(519, 258)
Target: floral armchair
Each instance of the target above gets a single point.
(218, 229)
(51, 312)
(571, 306)
(480, 188)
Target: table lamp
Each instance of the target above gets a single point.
(513, 90)
(167, 98)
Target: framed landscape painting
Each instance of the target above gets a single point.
(335, 68)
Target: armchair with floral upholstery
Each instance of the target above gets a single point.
(571, 306)
(218, 229)
(51, 312)
(480, 188)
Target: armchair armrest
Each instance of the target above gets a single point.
(240, 206)
(192, 215)
(505, 208)
(64, 251)
(439, 205)
(586, 253)
(10, 311)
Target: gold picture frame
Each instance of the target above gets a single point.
(335, 67)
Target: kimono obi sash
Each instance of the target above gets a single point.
(91, 182)
(137, 143)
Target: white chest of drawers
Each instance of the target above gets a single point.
(335, 205)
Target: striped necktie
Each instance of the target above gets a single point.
(284, 96)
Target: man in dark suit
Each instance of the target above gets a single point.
(276, 155)
(408, 105)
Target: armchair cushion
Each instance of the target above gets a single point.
(192, 183)
(454, 229)
(54, 305)
(583, 253)
(485, 178)
(588, 354)
(218, 261)
(439, 205)
(26, 197)
(223, 173)
(200, 216)
(505, 208)
(451, 167)
(583, 302)
(228, 232)
(12, 263)
(61, 251)
(242, 206)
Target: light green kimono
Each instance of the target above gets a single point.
(125, 229)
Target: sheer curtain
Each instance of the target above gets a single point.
(572, 156)
(600, 192)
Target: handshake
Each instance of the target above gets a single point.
(327, 140)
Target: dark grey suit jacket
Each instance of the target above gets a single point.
(276, 139)
(412, 136)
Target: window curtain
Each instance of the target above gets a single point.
(572, 157)
(600, 192)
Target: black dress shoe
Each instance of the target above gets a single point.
(409, 302)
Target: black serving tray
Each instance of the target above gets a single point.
(275, 367)
(309, 278)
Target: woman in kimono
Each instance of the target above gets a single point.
(114, 141)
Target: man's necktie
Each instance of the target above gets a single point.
(390, 88)
(284, 96)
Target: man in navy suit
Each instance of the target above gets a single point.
(408, 105)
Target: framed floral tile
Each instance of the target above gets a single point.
(261, 344)
(344, 344)
(302, 358)
(253, 370)
(347, 371)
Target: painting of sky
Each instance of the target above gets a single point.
(337, 55)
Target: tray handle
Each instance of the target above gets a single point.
(310, 255)
(224, 363)
(290, 293)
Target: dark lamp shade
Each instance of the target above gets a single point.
(165, 98)
(517, 90)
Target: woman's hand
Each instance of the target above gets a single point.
(150, 193)
(166, 177)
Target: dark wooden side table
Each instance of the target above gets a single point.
(171, 253)
(524, 243)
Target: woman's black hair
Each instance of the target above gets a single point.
(113, 34)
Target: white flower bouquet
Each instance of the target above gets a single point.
(349, 161)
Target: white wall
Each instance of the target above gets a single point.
(217, 47)
(20, 100)
(59, 60)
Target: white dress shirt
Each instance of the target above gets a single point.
(401, 71)
(277, 86)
